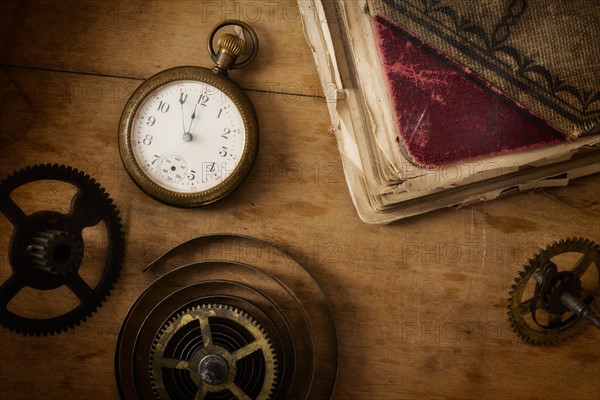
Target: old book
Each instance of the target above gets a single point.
(419, 129)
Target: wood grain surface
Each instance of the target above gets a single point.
(420, 305)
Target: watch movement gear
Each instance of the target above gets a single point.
(213, 350)
(47, 247)
(555, 296)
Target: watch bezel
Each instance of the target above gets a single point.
(229, 183)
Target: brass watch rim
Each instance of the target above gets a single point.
(231, 182)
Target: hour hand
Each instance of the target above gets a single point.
(187, 135)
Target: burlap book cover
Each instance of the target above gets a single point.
(544, 54)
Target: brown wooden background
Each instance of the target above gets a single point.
(420, 304)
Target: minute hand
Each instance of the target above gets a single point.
(185, 134)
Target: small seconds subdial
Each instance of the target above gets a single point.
(173, 168)
(188, 136)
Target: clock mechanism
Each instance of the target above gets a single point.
(253, 326)
(47, 251)
(555, 296)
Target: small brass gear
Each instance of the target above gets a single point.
(213, 351)
(533, 319)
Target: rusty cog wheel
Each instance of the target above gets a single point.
(533, 318)
(213, 351)
(46, 248)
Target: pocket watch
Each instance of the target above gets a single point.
(188, 135)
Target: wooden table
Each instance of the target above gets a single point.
(420, 305)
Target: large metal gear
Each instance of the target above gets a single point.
(555, 296)
(46, 249)
(213, 351)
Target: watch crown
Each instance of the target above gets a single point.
(230, 48)
(232, 44)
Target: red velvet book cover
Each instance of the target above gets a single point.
(446, 114)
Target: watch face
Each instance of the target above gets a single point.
(187, 136)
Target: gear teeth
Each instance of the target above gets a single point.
(109, 214)
(542, 336)
(167, 329)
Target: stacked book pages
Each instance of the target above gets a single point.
(443, 103)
